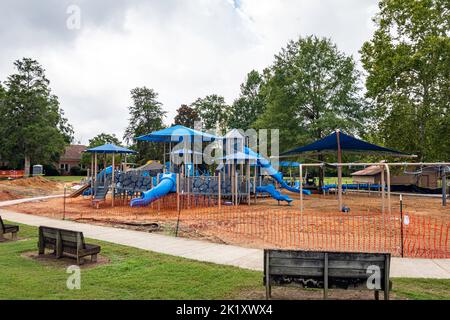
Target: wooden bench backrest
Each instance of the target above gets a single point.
(308, 268)
(69, 238)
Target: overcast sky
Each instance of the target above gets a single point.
(183, 49)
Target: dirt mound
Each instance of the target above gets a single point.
(7, 195)
(34, 182)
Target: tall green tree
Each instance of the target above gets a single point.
(186, 116)
(213, 111)
(311, 89)
(33, 127)
(408, 76)
(146, 115)
(250, 104)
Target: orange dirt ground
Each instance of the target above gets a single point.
(267, 224)
(28, 187)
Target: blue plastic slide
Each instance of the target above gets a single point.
(167, 183)
(276, 175)
(277, 195)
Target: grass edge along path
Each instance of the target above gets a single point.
(138, 274)
(131, 274)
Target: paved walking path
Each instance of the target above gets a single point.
(211, 252)
(17, 201)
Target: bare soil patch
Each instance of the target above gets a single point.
(28, 187)
(289, 293)
(268, 225)
(50, 259)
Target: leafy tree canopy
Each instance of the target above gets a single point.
(408, 76)
(186, 116)
(99, 140)
(250, 104)
(213, 111)
(32, 124)
(311, 89)
(146, 115)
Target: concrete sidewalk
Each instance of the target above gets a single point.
(211, 252)
(17, 201)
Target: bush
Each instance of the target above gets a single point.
(50, 170)
(75, 171)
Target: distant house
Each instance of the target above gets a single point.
(71, 158)
(369, 175)
(425, 178)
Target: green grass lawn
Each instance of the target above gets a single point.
(333, 180)
(65, 178)
(138, 274)
(131, 274)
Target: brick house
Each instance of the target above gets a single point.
(71, 158)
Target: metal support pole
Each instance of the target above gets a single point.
(178, 192)
(95, 173)
(64, 203)
(388, 182)
(444, 189)
(220, 190)
(382, 189)
(401, 224)
(339, 170)
(113, 179)
(301, 192)
(248, 182)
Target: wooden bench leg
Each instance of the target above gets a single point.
(94, 258)
(80, 261)
(377, 295)
(14, 236)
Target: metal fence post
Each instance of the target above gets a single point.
(401, 223)
(64, 203)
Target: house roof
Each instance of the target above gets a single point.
(369, 171)
(73, 152)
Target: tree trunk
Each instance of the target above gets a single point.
(27, 166)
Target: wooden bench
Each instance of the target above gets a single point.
(8, 228)
(66, 243)
(343, 270)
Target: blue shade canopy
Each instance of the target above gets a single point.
(288, 164)
(110, 148)
(176, 134)
(348, 143)
(186, 151)
(239, 156)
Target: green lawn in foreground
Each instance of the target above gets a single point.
(139, 274)
(131, 274)
(65, 178)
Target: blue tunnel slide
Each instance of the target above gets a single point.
(277, 176)
(168, 183)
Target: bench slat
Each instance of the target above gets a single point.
(347, 270)
(336, 264)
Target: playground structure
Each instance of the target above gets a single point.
(237, 177)
(237, 199)
(232, 179)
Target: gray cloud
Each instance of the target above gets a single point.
(182, 49)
